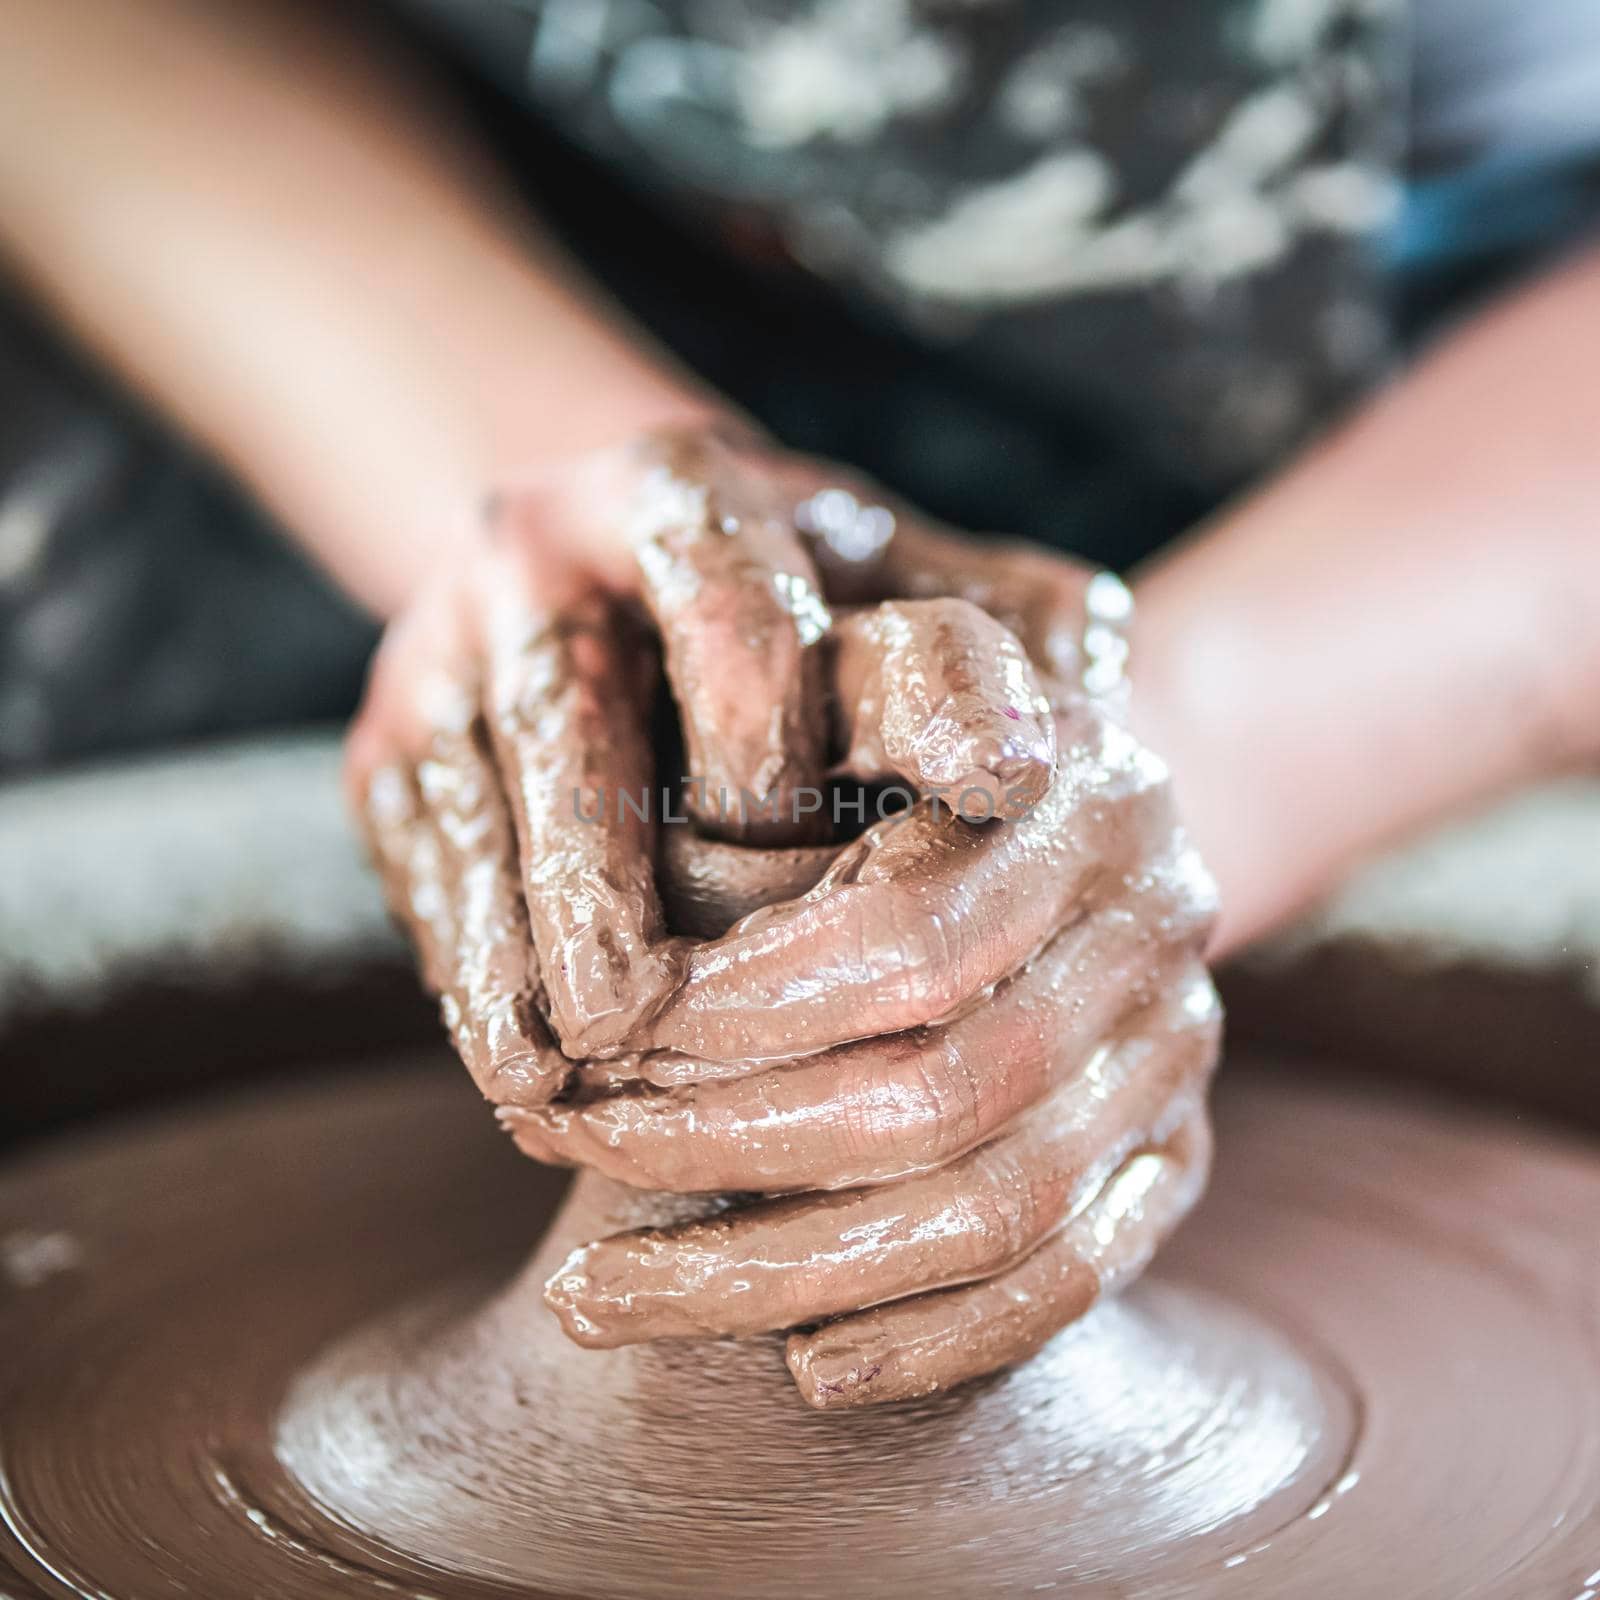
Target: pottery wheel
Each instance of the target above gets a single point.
(1368, 1365)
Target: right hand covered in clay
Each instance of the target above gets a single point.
(966, 1058)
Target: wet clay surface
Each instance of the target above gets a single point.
(1366, 1365)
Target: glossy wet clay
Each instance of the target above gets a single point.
(283, 1348)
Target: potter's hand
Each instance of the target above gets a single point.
(990, 1168)
(508, 704)
(986, 1179)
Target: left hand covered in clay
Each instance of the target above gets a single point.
(966, 1059)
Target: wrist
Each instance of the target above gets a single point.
(1195, 702)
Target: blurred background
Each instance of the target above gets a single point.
(831, 209)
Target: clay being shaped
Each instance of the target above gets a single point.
(961, 1056)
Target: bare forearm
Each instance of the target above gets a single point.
(275, 233)
(1406, 622)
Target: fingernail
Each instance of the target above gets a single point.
(566, 1292)
(830, 1381)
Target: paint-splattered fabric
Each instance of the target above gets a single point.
(1163, 207)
